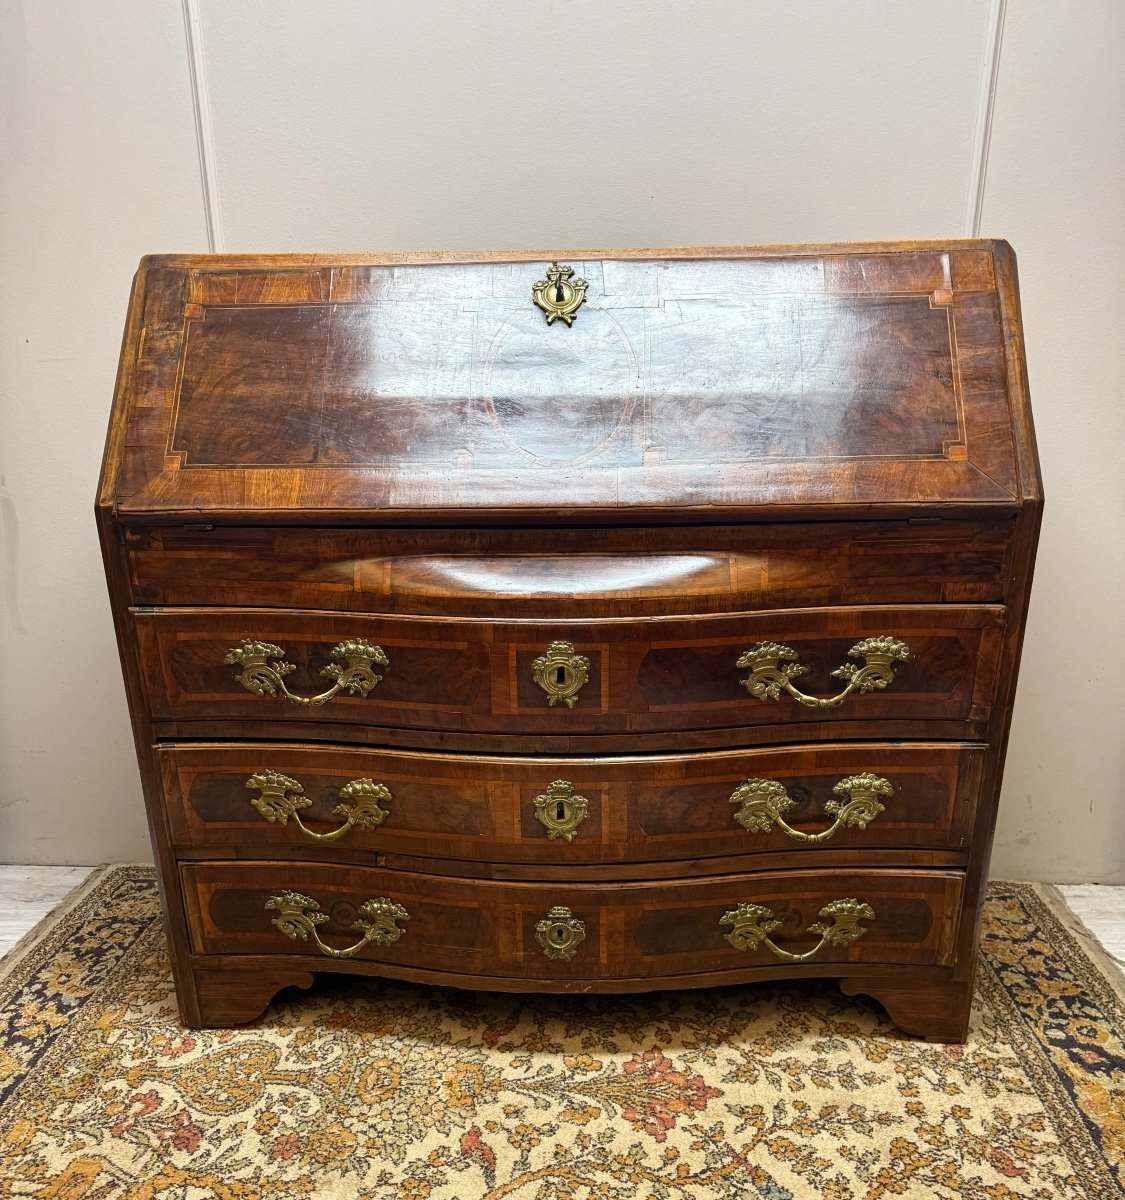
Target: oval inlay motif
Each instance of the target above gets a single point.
(561, 397)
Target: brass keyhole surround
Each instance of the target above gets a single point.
(560, 810)
(560, 933)
(560, 295)
(561, 673)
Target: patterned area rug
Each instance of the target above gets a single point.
(385, 1091)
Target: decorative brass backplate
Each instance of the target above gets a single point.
(279, 799)
(561, 294)
(560, 810)
(560, 933)
(561, 673)
(773, 667)
(352, 672)
(298, 916)
(762, 802)
(839, 925)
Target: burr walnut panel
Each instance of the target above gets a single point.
(656, 674)
(475, 927)
(635, 808)
(688, 384)
(595, 572)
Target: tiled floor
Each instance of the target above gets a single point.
(27, 894)
(1102, 910)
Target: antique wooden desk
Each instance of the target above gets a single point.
(594, 621)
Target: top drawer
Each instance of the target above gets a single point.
(596, 572)
(890, 665)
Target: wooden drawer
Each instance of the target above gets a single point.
(634, 675)
(484, 928)
(342, 801)
(597, 573)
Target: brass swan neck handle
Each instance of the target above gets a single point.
(298, 917)
(773, 667)
(839, 925)
(263, 669)
(762, 803)
(280, 799)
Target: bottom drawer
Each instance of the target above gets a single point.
(555, 932)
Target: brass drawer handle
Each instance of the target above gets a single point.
(560, 810)
(279, 799)
(560, 933)
(298, 916)
(773, 667)
(561, 673)
(352, 672)
(763, 801)
(839, 925)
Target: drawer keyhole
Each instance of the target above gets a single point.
(560, 675)
(560, 811)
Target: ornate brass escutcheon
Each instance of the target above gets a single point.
(762, 802)
(263, 670)
(561, 294)
(298, 916)
(773, 667)
(280, 798)
(560, 810)
(560, 933)
(561, 673)
(839, 925)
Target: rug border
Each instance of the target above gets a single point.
(46, 925)
(1091, 1160)
(1088, 941)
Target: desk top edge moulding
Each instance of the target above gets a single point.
(571, 621)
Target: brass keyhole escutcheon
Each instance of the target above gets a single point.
(561, 673)
(560, 810)
(561, 294)
(560, 933)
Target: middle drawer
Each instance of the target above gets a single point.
(573, 810)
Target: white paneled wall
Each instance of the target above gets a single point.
(377, 124)
(586, 123)
(97, 166)
(1056, 189)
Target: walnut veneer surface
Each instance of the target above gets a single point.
(669, 648)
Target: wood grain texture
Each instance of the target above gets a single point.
(594, 572)
(808, 445)
(427, 390)
(631, 930)
(646, 675)
(640, 809)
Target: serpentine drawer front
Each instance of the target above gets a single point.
(608, 622)
(921, 663)
(471, 927)
(349, 802)
(593, 572)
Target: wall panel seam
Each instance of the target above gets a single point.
(204, 136)
(986, 105)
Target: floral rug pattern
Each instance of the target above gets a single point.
(367, 1090)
